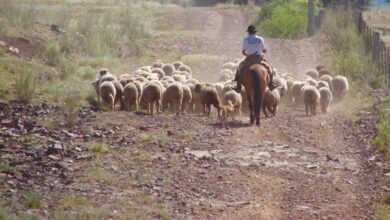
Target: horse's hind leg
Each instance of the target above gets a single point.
(251, 115)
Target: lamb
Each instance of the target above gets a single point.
(151, 97)
(130, 97)
(177, 64)
(227, 111)
(313, 73)
(208, 96)
(340, 87)
(107, 93)
(187, 98)
(271, 101)
(235, 99)
(326, 98)
(311, 97)
(173, 96)
(168, 69)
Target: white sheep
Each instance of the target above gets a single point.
(311, 97)
(107, 93)
(326, 98)
(130, 96)
(271, 102)
(340, 87)
(168, 69)
(313, 73)
(236, 100)
(151, 97)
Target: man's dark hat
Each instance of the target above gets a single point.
(251, 29)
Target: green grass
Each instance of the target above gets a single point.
(383, 212)
(25, 86)
(6, 168)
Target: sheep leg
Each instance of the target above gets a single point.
(314, 109)
(208, 110)
(307, 109)
(152, 107)
(136, 104)
(275, 110)
(265, 111)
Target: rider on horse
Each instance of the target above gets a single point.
(253, 49)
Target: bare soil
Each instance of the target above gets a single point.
(189, 166)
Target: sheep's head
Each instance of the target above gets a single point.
(103, 72)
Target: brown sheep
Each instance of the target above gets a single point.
(320, 67)
(271, 102)
(187, 98)
(324, 72)
(311, 97)
(326, 98)
(208, 96)
(130, 97)
(151, 97)
(173, 96)
(107, 93)
(234, 98)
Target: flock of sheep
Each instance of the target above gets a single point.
(163, 86)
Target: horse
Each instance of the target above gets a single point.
(255, 80)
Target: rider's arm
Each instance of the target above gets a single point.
(264, 50)
(244, 53)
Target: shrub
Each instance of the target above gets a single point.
(284, 19)
(25, 86)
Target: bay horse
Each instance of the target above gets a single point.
(255, 79)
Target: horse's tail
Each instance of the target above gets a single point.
(256, 92)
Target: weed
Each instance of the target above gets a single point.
(383, 212)
(52, 54)
(31, 199)
(383, 137)
(71, 107)
(25, 86)
(73, 201)
(7, 168)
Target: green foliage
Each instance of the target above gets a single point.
(348, 53)
(25, 86)
(283, 19)
(383, 212)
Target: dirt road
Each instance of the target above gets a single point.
(189, 167)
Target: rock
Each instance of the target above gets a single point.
(53, 157)
(263, 154)
(329, 158)
(199, 154)
(311, 166)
